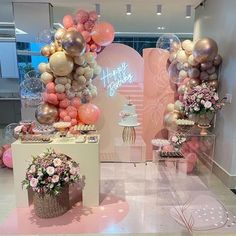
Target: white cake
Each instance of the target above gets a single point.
(129, 116)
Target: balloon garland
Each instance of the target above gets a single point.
(190, 64)
(68, 75)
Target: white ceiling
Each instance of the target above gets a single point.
(143, 18)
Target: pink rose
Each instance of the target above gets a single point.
(55, 178)
(33, 182)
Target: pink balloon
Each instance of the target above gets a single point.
(75, 102)
(7, 158)
(80, 27)
(63, 114)
(93, 16)
(89, 113)
(61, 96)
(87, 48)
(93, 47)
(71, 108)
(73, 122)
(103, 34)
(67, 119)
(81, 16)
(86, 36)
(64, 103)
(88, 25)
(45, 97)
(52, 98)
(191, 157)
(68, 21)
(50, 87)
(72, 114)
(6, 147)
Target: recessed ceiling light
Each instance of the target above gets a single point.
(161, 27)
(159, 9)
(19, 31)
(128, 9)
(188, 11)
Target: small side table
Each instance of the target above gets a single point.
(129, 134)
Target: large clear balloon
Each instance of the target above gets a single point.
(169, 42)
(73, 43)
(174, 73)
(103, 34)
(46, 114)
(46, 36)
(205, 50)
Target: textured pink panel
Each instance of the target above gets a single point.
(157, 94)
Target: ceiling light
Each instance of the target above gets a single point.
(19, 31)
(97, 7)
(161, 27)
(159, 9)
(128, 9)
(188, 11)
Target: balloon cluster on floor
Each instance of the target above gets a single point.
(68, 76)
(190, 64)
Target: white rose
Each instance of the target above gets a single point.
(207, 104)
(73, 171)
(174, 139)
(57, 162)
(50, 170)
(33, 182)
(55, 178)
(196, 108)
(216, 97)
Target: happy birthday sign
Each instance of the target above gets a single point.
(114, 79)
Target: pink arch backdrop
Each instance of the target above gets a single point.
(150, 91)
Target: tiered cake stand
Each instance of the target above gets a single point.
(129, 134)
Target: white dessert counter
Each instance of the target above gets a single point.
(86, 154)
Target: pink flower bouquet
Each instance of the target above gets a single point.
(201, 99)
(49, 172)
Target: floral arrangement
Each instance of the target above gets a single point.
(201, 99)
(49, 172)
(178, 139)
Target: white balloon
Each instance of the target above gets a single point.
(42, 67)
(181, 56)
(46, 77)
(170, 107)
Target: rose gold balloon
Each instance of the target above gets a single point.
(206, 65)
(73, 43)
(45, 51)
(46, 114)
(193, 83)
(193, 73)
(204, 75)
(214, 83)
(59, 34)
(61, 64)
(211, 70)
(217, 60)
(205, 50)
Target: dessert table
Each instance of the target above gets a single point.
(86, 154)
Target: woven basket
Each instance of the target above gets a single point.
(49, 206)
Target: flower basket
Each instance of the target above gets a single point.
(49, 206)
(49, 176)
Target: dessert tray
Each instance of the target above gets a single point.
(170, 155)
(86, 128)
(31, 138)
(43, 129)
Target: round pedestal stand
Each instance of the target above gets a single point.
(129, 135)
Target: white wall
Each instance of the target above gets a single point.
(218, 21)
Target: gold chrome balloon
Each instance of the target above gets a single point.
(214, 83)
(59, 34)
(45, 51)
(46, 114)
(61, 64)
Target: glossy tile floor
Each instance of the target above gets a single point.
(153, 194)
